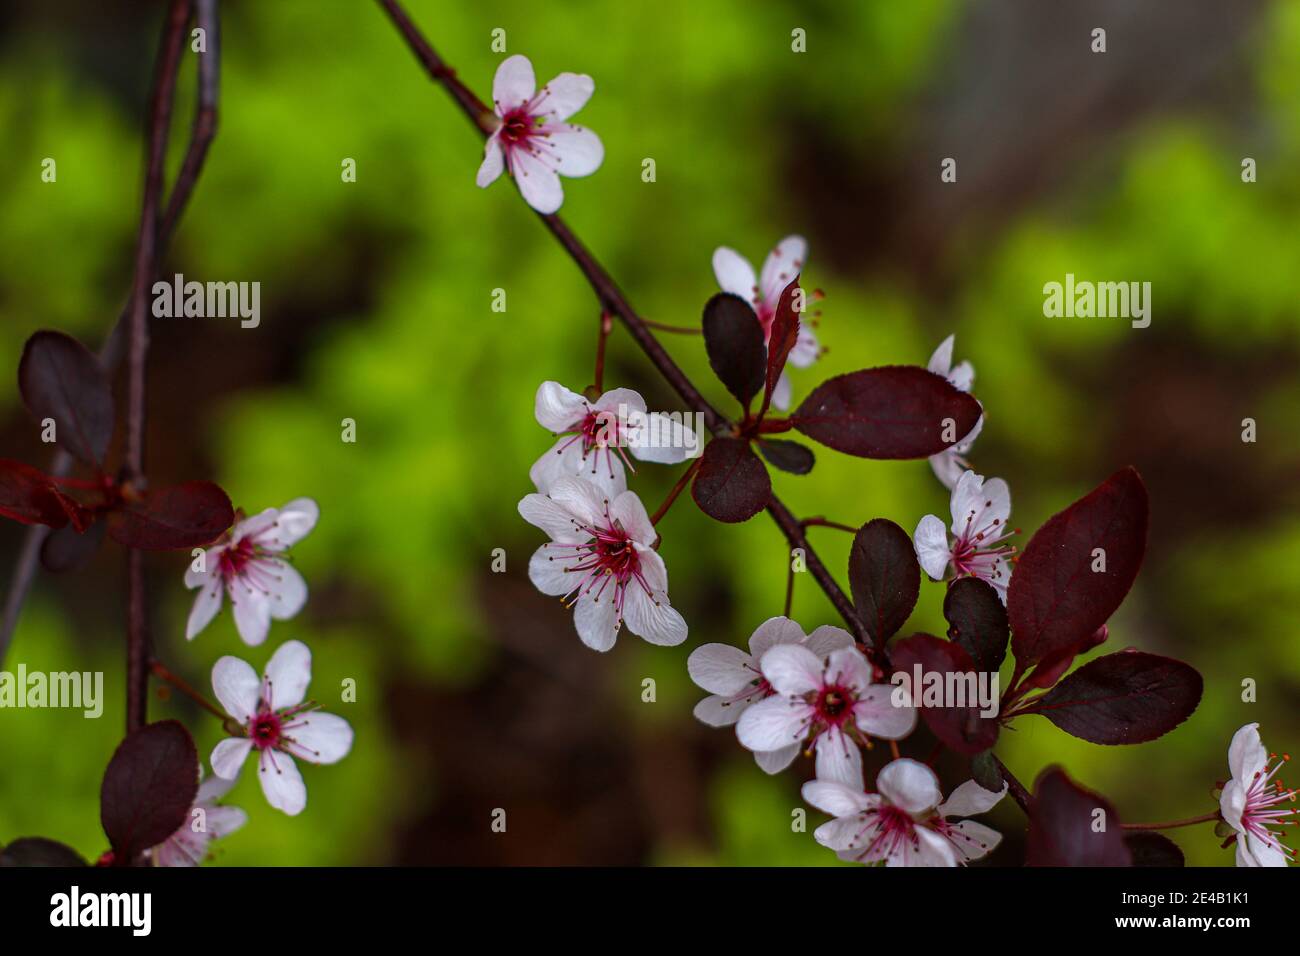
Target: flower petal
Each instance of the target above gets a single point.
(941, 360)
(774, 761)
(286, 592)
(978, 504)
(662, 439)
(319, 738)
(557, 408)
(721, 669)
(774, 631)
(563, 96)
(629, 512)
(826, 639)
(288, 673)
(237, 688)
(597, 621)
(1265, 852)
(652, 618)
(973, 840)
(543, 511)
(772, 724)
(546, 569)
(782, 392)
(970, 799)
(223, 821)
(252, 612)
(932, 850)
(582, 499)
(846, 667)
(734, 273)
(909, 785)
(1247, 755)
(565, 459)
(206, 605)
(537, 180)
(281, 782)
(837, 799)
(718, 711)
(514, 84)
(293, 523)
(838, 758)
(792, 669)
(494, 163)
(931, 542)
(876, 714)
(781, 266)
(229, 755)
(577, 150)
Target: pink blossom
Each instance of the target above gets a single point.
(783, 264)
(601, 560)
(904, 824)
(278, 724)
(734, 680)
(949, 464)
(832, 703)
(980, 510)
(531, 140)
(252, 566)
(207, 821)
(1252, 802)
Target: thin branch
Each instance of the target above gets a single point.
(1189, 821)
(110, 354)
(820, 522)
(160, 114)
(611, 298)
(1014, 786)
(676, 490)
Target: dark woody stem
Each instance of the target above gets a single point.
(1014, 786)
(682, 482)
(163, 674)
(606, 326)
(612, 299)
(820, 522)
(675, 329)
(1203, 818)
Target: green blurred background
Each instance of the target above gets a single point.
(474, 692)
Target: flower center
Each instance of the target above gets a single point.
(602, 436)
(234, 559)
(608, 559)
(833, 705)
(1263, 809)
(516, 126)
(979, 551)
(264, 729)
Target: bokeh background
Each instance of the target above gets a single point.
(474, 692)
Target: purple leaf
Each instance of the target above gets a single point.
(148, 788)
(190, 515)
(789, 456)
(1153, 849)
(962, 729)
(1049, 670)
(1062, 822)
(977, 621)
(733, 337)
(900, 411)
(1056, 599)
(60, 379)
(884, 578)
(1124, 698)
(31, 497)
(39, 851)
(781, 338)
(732, 484)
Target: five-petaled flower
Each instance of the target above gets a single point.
(735, 275)
(531, 140)
(980, 510)
(596, 436)
(278, 724)
(601, 560)
(733, 679)
(904, 824)
(1253, 802)
(251, 565)
(831, 702)
(948, 465)
(208, 821)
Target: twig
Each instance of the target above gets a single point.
(611, 298)
(110, 353)
(824, 523)
(1014, 786)
(676, 490)
(1189, 821)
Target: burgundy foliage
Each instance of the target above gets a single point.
(148, 788)
(884, 577)
(732, 484)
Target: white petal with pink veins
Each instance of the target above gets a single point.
(206, 605)
(932, 551)
(286, 591)
(662, 439)
(1232, 804)
(848, 668)
(237, 687)
(1265, 852)
(932, 850)
(213, 789)
(557, 408)
(546, 571)
(622, 402)
(1247, 755)
(596, 620)
(538, 181)
(781, 267)
(734, 273)
(806, 347)
(909, 785)
(229, 755)
(838, 758)
(494, 163)
(223, 821)
(582, 500)
(563, 96)
(577, 150)
(941, 361)
(970, 799)
(774, 631)
(319, 738)
(252, 611)
(962, 377)
(875, 713)
(289, 674)
(564, 459)
(792, 669)
(717, 711)
(973, 840)
(553, 518)
(843, 833)
(282, 782)
(774, 761)
(293, 523)
(773, 724)
(721, 669)
(837, 799)
(211, 565)
(977, 504)
(652, 618)
(629, 512)
(827, 639)
(514, 83)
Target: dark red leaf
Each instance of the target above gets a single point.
(1124, 698)
(184, 516)
(68, 549)
(977, 621)
(733, 337)
(148, 789)
(732, 484)
(781, 338)
(789, 456)
(900, 411)
(1064, 822)
(1153, 849)
(1050, 668)
(884, 577)
(39, 851)
(1056, 599)
(30, 496)
(961, 728)
(60, 379)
